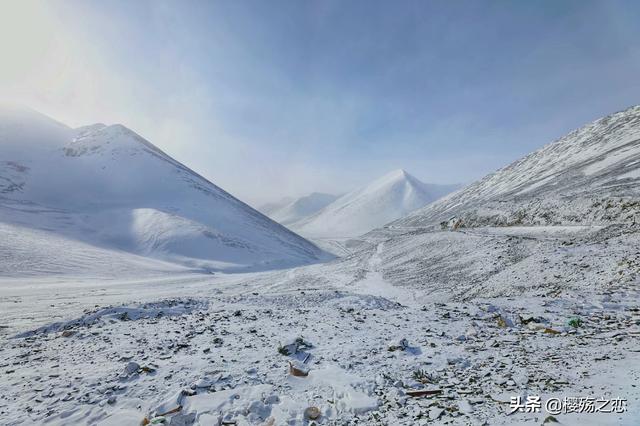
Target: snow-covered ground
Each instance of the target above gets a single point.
(524, 284)
(211, 344)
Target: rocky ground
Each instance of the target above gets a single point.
(251, 355)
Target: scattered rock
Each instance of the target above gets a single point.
(298, 369)
(312, 413)
(527, 319)
(183, 419)
(504, 322)
(435, 413)
(401, 345)
(424, 392)
(131, 368)
(151, 368)
(298, 345)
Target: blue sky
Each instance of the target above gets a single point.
(275, 98)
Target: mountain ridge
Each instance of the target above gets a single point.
(300, 208)
(108, 186)
(382, 200)
(598, 160)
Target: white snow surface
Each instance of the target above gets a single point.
(388, 198)
(108, 187)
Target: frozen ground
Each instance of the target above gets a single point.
(205, 348)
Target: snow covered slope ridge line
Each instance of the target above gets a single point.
(109, 187)
(300, 208)
(590, 175)
(383, 200)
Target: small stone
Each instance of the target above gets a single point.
(298, 369)
(401, 345)
(312, 413)
(132, 368)
(111, 400)
(183, 419)
(504, 322)
(435, 413)
(272, 399)
(259, 409)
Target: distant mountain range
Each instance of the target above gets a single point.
(293, 210)
(382, 201)
(563, 218)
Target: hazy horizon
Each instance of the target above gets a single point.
(286, 98)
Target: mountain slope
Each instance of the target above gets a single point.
(565, 218)
(302, 207)
(107, 186)
(383, 200)
(269, 208)
(563, 182)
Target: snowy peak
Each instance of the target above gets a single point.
(398, 174)
(394, 177)
(115, 139)
(396, 183)
(109, 187)
(383, 200)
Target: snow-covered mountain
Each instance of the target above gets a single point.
(300, 208)
(273, 206)
(383, 200)
(590, 175)
(109, 187)
(563, 218)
